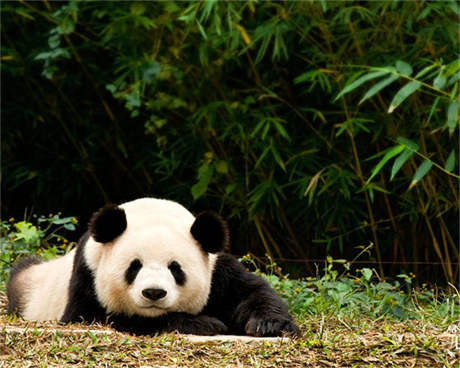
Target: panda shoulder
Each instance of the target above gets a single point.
(230, 272)
(228, 263)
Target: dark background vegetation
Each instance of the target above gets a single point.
(231, 106)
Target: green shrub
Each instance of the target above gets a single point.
(44, 237)
(360, 293)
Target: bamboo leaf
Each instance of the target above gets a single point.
(421, 172)
(408, 143)
(204, 178)
(454, 7)
(54, 41)
(304, 77)
(424, 71)
(323, 5)
(310, 191)
(259, 125)
(362, 80)
(277, 158)
(343, 127)
(378, 87)
(433, 108)
(452, 68)
(378, 154)
(207, 9)
(244, 34)
(403, 93)
(400, 161)
(450, 163)
(453, 92)
(265, 130)
(452, 116)
(396, 150)
(201, 29)
(453, 79)
(264, 153)
(24, 13)
(424, 13)
(279, 127)
(440, 81)
(404, 68)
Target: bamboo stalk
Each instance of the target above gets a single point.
(430, 190)
(271, 239)
(300, 251)
(261, 236)
(368, 205)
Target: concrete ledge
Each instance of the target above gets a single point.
(60, 330)
(233, 338)
(192, 338)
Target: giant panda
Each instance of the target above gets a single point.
(149, 266)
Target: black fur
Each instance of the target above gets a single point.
(211, 232)
(82, 304)
(132, 271)
(107, 223)
(180, 322)
(177, 272)
(14, 291)
(239, 303)
(245, 302)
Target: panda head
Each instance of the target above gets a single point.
(150, 256)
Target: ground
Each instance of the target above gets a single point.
(325, 342)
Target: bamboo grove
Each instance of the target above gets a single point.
(316, 127)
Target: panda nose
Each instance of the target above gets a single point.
(154, 294)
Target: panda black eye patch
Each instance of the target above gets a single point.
(177, 272)
(132, 271)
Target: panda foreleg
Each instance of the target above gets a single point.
(197, 325)
(246, 302)
(172, 322)
(263, 313)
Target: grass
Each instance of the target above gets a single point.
(328, 340)
(349, 319)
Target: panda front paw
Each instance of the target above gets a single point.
(203, 325)
(271, 326)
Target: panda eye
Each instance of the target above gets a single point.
(177, 272)
(132, 271)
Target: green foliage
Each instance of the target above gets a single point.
(360, 293)
(305, 122)
(406, 147)
(43, 236)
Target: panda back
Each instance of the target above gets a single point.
(14, 287)
(38, 290)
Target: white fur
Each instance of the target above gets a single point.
(45, 288)
(158, 232)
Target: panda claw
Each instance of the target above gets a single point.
(264, 327)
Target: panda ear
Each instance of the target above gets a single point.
(107, 223)
(211, 232)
